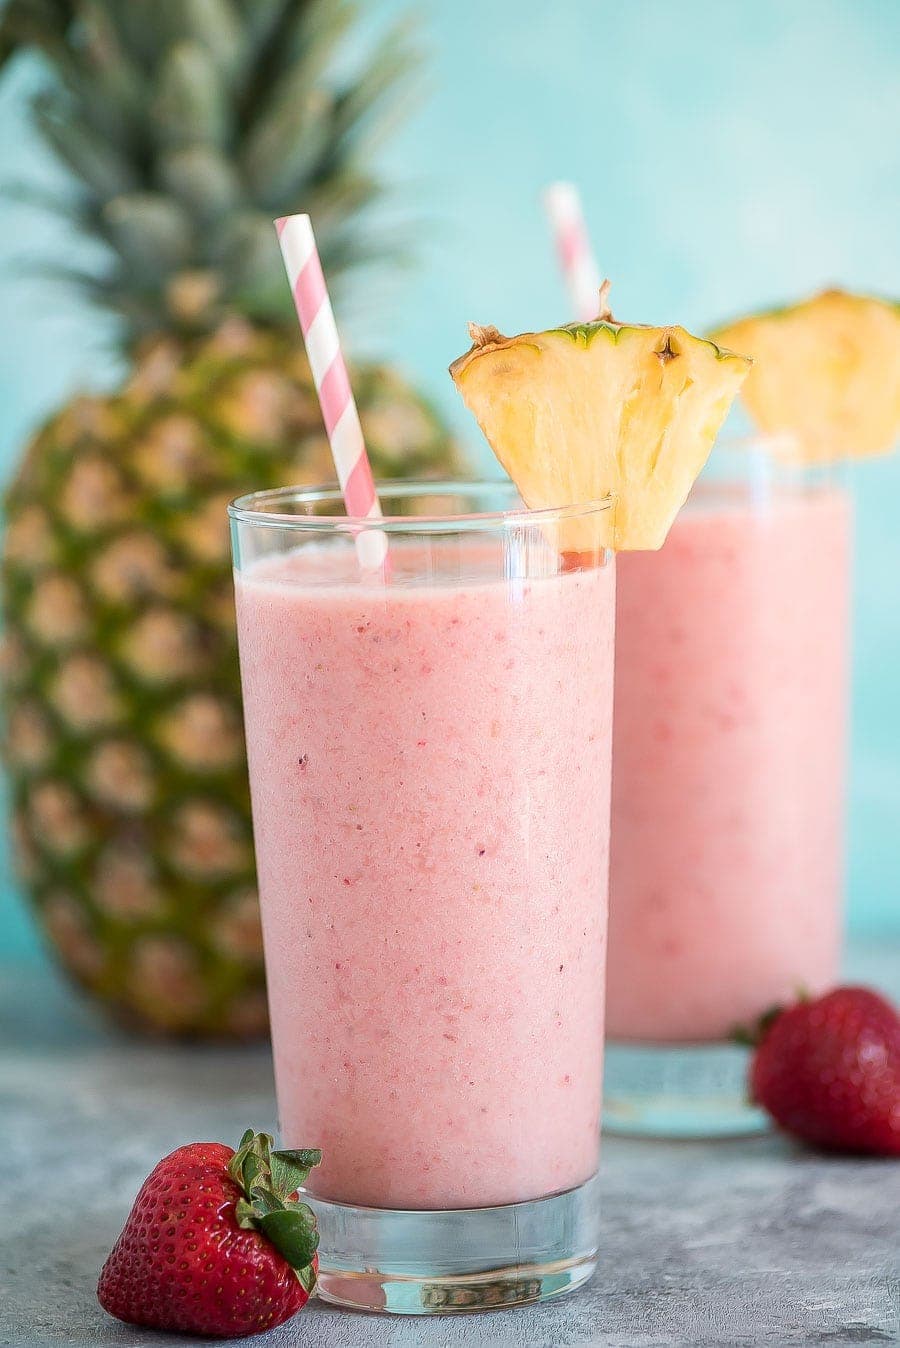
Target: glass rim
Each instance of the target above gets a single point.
(248, 508)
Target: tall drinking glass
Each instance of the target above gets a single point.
(727, 871)
(429, 752)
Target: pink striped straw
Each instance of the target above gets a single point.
(562, 203)
(329, 372)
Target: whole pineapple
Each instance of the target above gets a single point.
(188, 125)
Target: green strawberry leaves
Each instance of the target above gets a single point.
(748, 1036)
(307, 1278)
(291, 1233)
(252, 1169)
(267, 1180)
(290, 1169)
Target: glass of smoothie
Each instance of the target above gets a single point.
(429, 748)
(727, 864)
(732, 674)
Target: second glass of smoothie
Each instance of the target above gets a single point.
(429, 751)
(727, 856)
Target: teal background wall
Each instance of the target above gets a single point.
(730, 156)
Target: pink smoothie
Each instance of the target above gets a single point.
(728, 791)
(430, 774)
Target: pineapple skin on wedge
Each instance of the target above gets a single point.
(826, 374)
(589, 410)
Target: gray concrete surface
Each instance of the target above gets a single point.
(733, 1243)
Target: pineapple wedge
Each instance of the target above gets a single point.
(826, 374)
(593, 409)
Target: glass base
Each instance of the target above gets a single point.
(678, 1090)
(471, 1259)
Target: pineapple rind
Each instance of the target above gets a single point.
(585, 332)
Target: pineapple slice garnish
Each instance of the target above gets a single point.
(826, 375)
(596, 409)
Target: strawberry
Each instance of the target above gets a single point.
(828, 1071)
(214, 1243)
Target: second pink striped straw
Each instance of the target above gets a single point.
(562, 203)
(329, 372)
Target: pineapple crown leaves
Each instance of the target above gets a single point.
(267, 1179)
(188, 125)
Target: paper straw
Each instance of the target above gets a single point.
(562, 203)
(329, 372)
(760, 477)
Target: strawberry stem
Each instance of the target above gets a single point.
(748, 1036)
(267, 1180)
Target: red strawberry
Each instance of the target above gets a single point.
(828, 1071)
(214, 1244)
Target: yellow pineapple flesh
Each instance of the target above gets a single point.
(826, 375)
(580, 412)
